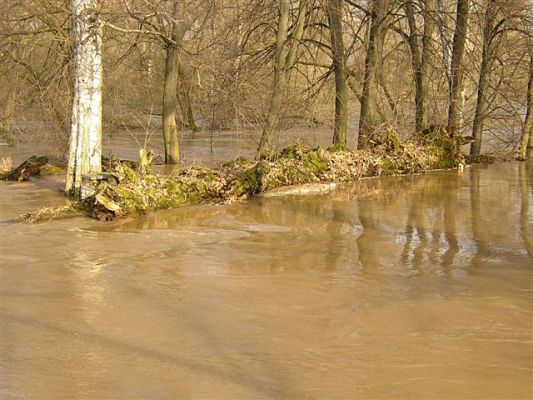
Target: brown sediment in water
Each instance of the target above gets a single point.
(136, 193)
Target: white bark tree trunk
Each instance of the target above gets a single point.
(85, 155)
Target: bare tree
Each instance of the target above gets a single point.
(85, 155)
(527, 135)
(455, 108)
(170, 99)
(286, 51)
(335, 12)
(369, 117)
(482, 104)
(421, 60)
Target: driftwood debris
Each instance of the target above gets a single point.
(296, 170)
(301, 190)
(33, 166)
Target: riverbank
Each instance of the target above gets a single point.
(126, 192)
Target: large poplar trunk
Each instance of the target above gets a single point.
(334, 8)
(283, 62)
(170, 99)
(421, 61)
(85, 154)
(527, 135)
(482, 103)
(456, 102)
(369, 117)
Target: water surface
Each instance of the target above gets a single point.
(397, 288)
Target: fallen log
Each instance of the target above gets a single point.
(301, 190)
(33, 166)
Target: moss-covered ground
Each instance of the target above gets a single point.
(137, 193)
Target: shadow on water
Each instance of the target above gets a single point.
(230, 371)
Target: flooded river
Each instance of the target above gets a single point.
(397, 288)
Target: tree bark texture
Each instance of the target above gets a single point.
(456, 88)
(421, 60)
(334, 9)
(283, 62)
(369, 116)
(482, 104)
(170, 99)
(85, 154)
(527, 135)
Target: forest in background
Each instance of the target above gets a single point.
(270, 64)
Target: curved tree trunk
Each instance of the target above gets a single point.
(456, 88)
(334, 9)
(85, 154)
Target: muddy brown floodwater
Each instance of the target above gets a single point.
(398, 288)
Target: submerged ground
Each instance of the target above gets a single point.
(411, 287)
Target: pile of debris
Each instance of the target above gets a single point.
(132, 192)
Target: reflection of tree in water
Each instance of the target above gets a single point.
(414, 230)
(366, 241)
(478, 233)
(423, 244)
(428, 195)
(449, 206)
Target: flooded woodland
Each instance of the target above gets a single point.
(266, 199)
(397, 287)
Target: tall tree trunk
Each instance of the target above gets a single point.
(426, 63)
(527, 134)
(444, 27)
(421, 61)
(334, 9)
(170, 99)
(369, 116)
(283, 62)
(85, 154)
(482, 104)
(458, 47)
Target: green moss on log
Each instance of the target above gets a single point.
(295, 165)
